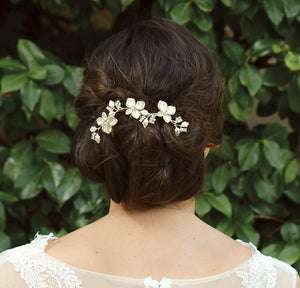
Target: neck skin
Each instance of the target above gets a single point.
(156, 218)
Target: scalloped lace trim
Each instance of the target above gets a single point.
(261, 271)
(38, 270)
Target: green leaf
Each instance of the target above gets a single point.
(126, 3)
(20, 158)
(69, 186)
(234, 83)
(265, 190)
(251, 78)
(8, 198)
(290, 232)
(13, 82)
(276, 132)
(54, 141)
(52, 177)
(220, 178)
(248, 155)
(73, 79)
(292, 61)
(202, 207)
(32, 188)
(247, 233)
(37, 72)
(30, 94)
(203, 21)
(293, 96)
(238, 112)
(182, 13)
(29, 53)
(220, 203)
(275, 76)
(47, 105)
(234, 51)
(274, 10)
(291, 172)
(291, 8)
(4, 241)
(264, 95)
(225, 151)
(205, 5)
(290, 254)
(228, 3)
(227, 226)
(10, 64)
(72, 119)
(262, 47)
(273, 154)
(292, 192)
(55, 74)
(2, 217)
(272, 250)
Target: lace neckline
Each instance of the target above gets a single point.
(48, 238)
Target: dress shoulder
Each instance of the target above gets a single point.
(266, 271)
(28, 266)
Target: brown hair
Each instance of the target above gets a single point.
(145, 167)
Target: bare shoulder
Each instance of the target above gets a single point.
(298, 281)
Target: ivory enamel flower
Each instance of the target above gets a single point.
(106, 122)
(165, 111)
(134, 108)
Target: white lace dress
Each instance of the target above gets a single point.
(28, 266)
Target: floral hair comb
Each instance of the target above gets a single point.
(136, 110)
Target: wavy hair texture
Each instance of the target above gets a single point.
(150, 61)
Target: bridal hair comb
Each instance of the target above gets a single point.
(136, 110)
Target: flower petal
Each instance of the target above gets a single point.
(97, 138)
(167, 118)
(140, 105)
(160, 114)
(100, 121)
(162, 105)
(171, 110)
(104, 116)
(130, 102)
(128, 111)
(112, 121)
(93, 129)
(111, 104)
(106, 128)
(136, 113)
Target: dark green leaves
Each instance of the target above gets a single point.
(248, 155)
(10, 64)
(69, 185)
(274, 10)
(55, 74)
(234, 51)
(182, 13)
(13, 82)
(54, 141)
(272, 153)
(251, 78)
(30, 94)
(30, 53)
(73, 79)
(220, 203)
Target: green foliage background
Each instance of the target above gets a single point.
(252, 186)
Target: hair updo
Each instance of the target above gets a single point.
(146, 167)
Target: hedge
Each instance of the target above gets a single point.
(252, 183)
